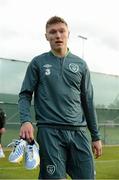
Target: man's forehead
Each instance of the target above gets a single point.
(57, 26)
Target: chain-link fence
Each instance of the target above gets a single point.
(109, 133)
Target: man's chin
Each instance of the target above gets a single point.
(58, 48)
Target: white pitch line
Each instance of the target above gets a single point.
(107, 161)
(5, 168)
(101, 161)
(2, 168)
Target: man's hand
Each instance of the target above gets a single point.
(97, 148)
(27, 131)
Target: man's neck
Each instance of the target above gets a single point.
(60, 53)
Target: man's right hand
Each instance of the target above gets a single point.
(27, 131)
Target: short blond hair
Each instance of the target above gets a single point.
(55, 20)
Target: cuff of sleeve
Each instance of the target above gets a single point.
(25, 122)
(96, 138)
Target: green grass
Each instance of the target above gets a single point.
(15, 171)
(107, 166)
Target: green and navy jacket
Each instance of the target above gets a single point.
(63, 93)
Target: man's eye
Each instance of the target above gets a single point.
(62, 31)
(52, 32)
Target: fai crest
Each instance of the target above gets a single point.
(50, 169)
(74, 67)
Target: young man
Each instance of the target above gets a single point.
(2, 130)
(63, 102)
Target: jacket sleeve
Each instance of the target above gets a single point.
(88, 104)
(29, 85)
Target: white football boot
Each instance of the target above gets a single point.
(17, 153)
(32, 158)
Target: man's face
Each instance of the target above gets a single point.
(57, 35)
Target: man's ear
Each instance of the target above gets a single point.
(46, 37)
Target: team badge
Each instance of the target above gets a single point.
(74, 67)
(50, 169)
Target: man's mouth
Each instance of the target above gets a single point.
(58, 42)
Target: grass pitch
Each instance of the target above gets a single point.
(107, 166)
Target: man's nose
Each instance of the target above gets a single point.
(58, 35)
